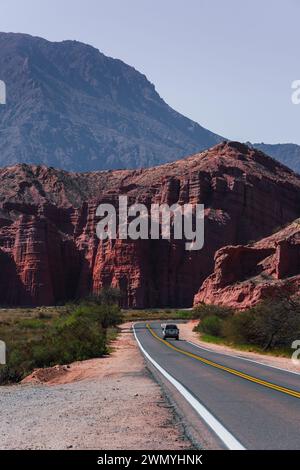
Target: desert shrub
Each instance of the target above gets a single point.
(211, 325)
(235, 328)
(75, 339)
(205, 310)
(9, 374)
(273, 323)
(188, 314)
(78, 333)
(104, 314)
(107, 296)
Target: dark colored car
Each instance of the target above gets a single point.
(170, 331)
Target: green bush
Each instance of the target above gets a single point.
(211, 325)
(235, 328)
(9, 374)
(107, 296)
(79, 333)
(74, 339)
(273, 323)
(205, 310)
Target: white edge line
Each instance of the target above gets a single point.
(226, 437)
(243, 358)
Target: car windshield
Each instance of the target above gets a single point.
(171, 327)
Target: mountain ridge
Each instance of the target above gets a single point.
(72, 107)
(287, 153)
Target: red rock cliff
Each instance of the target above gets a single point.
(244, 275)
(49, 251)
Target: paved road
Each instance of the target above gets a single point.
(258, 406)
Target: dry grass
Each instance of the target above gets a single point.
(12, 314)
(156, 314)
(44, 336)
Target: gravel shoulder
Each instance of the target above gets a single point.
(187, 333)
(108, 403)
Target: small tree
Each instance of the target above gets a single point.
(274, 322)
(107, 296)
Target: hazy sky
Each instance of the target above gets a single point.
(228, 64)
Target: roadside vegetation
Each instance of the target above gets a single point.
(157, 314)
(46, 336)
(50, 336)
(269, 327)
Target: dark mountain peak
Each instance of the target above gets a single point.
(70, 106)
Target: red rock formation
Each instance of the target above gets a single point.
(49, 251)
(244, 275)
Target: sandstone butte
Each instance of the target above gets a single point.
(245, 274)
(49, 251)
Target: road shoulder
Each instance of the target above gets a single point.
(187, 334)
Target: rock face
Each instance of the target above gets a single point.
(71, 107)
(245, 274)
(49, 251)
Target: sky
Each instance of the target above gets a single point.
(228, 65)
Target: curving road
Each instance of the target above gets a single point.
(246, 404)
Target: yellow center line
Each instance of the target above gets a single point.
(285, 390)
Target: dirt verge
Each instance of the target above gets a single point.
(107, 403)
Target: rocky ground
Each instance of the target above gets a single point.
(108, 403)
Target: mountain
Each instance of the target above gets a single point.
(288, 154)
(49, 251)
(71, 107)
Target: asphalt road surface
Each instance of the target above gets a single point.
(246, 404)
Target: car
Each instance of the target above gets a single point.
(170, 330)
